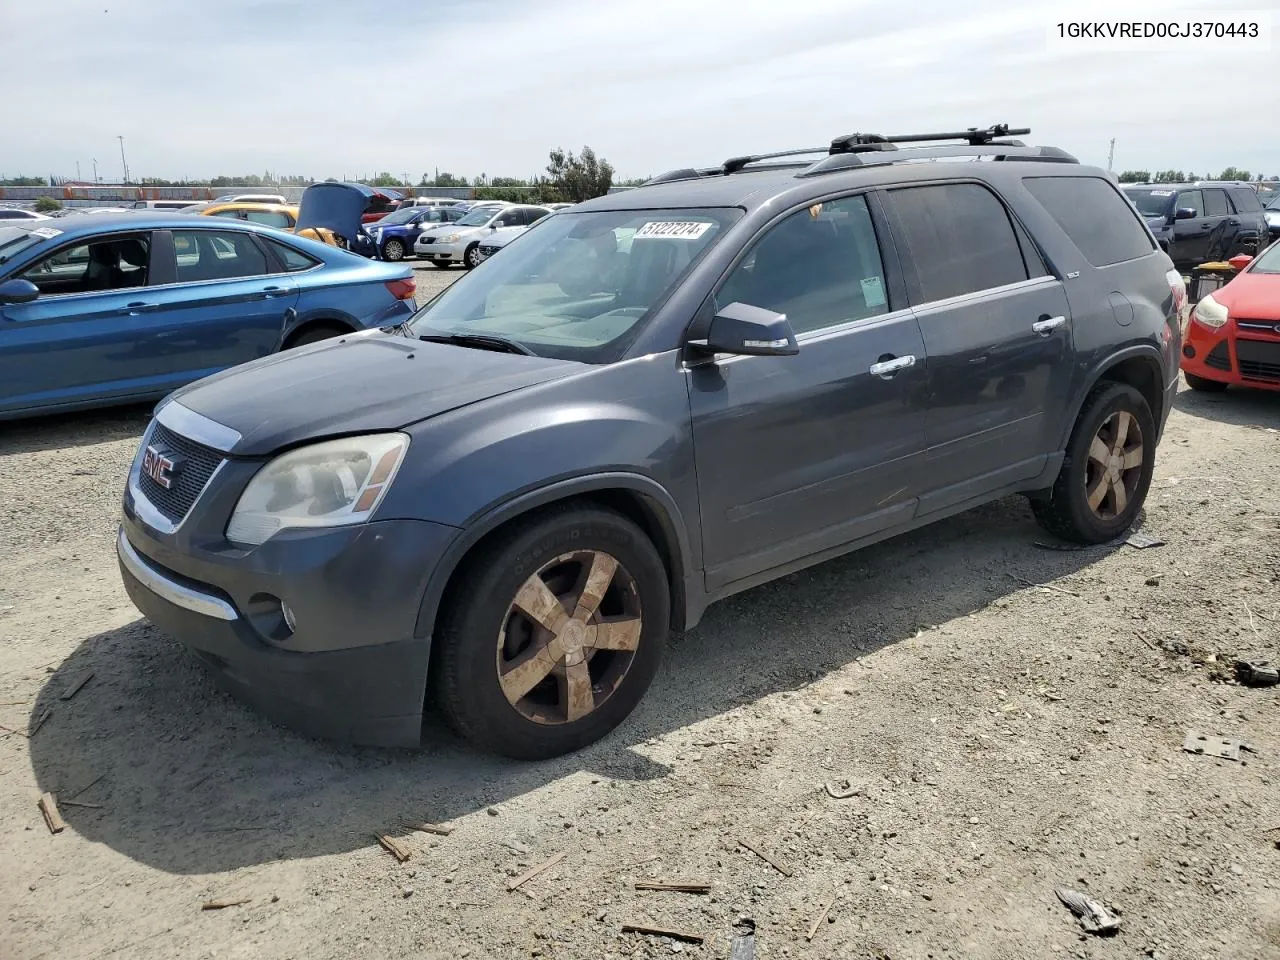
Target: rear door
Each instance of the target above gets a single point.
(87, 336)
(227, 301)
(1248, 220)
(1223, 224)
(997, 331)
(797, 455)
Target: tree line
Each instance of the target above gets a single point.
(567, 178)
(1178, 176)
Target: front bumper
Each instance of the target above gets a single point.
(1243, 352)
(444, 252)
(353, 670)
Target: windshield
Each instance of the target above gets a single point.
(1268, 261)
(479, 216)
(13, 240)
(1151, 203)
(577, 286)
(400, 216)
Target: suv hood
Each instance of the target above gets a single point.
(363, 382)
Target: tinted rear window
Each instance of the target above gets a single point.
(1246, 200)
(1094, 215)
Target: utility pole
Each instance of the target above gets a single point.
(1111, 154)
(123, 162)
(77, 170)
(95, 171)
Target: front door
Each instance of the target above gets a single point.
(804, 454)
(997, 330)
(1191, 236)
(84, 338)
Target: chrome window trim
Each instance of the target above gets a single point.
(176, 593)
(932, 305)
(187, 423)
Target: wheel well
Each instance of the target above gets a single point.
(641, 510)
(320, 323)
(1143, 375)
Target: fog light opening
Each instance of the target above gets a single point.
(1189, 352)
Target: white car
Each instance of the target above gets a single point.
(16, 213)
(460, 242)
(496, 240)
(253, 198)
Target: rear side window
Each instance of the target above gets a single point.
(1246, 200)
(959, 239)
(1215, 203)
(270, 218)
(293, 260)
(214, 255)
(1096, 218)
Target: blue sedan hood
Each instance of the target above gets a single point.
(360, 383)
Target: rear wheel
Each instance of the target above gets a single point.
(314, 335)
(1107, 471)
(393, 250)
(440, 264)
(554, 633)
(1203, 384)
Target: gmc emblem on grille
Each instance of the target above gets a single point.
(161, 466)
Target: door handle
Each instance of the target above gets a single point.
(137, 307)
(1046, 325)
(270, 292)
(885, 369)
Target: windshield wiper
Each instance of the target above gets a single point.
(479, 341)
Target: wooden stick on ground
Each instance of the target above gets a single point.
(765, 857)
(87, 786)
(48, 805)
(81, 803)
(649, 931)
(223, 904)
(78, 687)
(39, 722)
(429, 827)
(534, 871)
(393, 847)
(813, 931)
(1042, 586)
(676, 887)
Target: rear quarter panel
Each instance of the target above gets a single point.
(352, 290)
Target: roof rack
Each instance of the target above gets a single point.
(861, 149)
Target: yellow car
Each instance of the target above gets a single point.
(280, 216)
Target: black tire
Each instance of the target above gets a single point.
(440, 264)
(1066, 511)
(314, 335)
(475, 633)
(1203, 384)
(470, 257)
(393, 250)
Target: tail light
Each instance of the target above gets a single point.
(403, 289)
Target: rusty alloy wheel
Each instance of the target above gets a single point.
(1114, 469)
(557, 666)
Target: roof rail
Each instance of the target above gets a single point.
(974, 137)
(997, 150)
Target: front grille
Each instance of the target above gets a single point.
(1261, 326)
(197, 465)
(1218, 358)
(1259, 360)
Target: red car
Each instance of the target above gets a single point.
(382, 202)
(1233, 336)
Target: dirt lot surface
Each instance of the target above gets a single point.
(999, 740)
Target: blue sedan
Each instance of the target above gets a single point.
(97, 311)
(396, 232)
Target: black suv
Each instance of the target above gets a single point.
(1201, 222)
(650, 401)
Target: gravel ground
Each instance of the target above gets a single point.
(1000, 739)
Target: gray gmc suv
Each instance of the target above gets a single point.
(651, 401)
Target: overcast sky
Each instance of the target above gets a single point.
(329, 88)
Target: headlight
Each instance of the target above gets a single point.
(451, 238)
(1210, 312)
(1273, 218)
(323, 485)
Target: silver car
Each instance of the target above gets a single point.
(460, 242)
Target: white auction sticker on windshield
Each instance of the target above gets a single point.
(47, 233)
(1162, 193)
(673, 229)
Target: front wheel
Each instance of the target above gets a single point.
(554, 633)
(440, 264)
(1107, 471)
(1203, 384)
(471, 259)
(393, 250)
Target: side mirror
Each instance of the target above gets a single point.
(496, 224)
(18, 290)
(1185, 213)
(1240, 261)
(743, 330)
